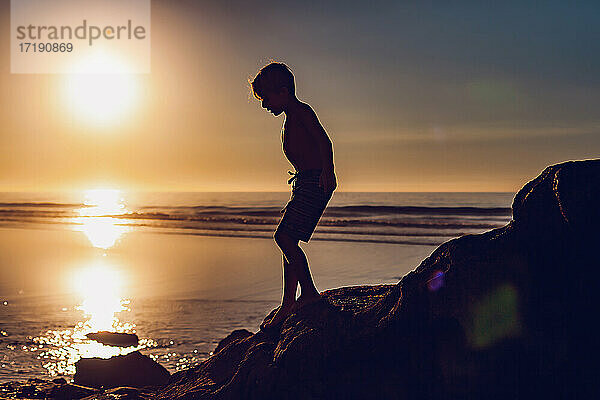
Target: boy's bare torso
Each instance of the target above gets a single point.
(299, 146)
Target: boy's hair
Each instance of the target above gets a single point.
(272, 78)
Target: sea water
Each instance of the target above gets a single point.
(182, 270)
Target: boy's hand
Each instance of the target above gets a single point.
(328, 181)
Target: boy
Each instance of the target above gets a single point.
(308, 148)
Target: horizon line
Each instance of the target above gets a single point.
(249, 191)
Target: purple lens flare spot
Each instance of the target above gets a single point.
(436, 281)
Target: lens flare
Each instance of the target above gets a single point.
(436, 282)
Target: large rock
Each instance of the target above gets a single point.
(133, 369)
(238, 334)
(506, 314)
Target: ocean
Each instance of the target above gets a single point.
(182, 270)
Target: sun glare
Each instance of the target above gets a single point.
(95, 222)
(97, 98)
(100, 287)
(103, 202)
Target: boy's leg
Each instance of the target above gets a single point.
(297, 260)
(290, 283)
(295, 271)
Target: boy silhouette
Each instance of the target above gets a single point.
(308, 148)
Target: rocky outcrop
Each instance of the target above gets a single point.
(133, 369)
(237, 335)
(505, 314)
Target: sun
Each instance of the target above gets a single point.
(98, 98)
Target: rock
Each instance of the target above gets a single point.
(27, 391)
(57, 389)
(133, 369)
(238, 334)
(123, 393)
(69, 391)
(114, 338)
(505, 314)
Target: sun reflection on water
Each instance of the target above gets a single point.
(99, 287)
(95, 219)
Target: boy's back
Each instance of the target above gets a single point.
(300, 139)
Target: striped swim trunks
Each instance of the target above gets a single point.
(307, 203)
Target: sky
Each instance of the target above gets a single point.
(415, 96)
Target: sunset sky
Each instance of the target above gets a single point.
(414, 97)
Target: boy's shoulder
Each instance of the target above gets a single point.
(305, 112)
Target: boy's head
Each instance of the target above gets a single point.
(273, 85)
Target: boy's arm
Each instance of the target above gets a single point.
(316, 130)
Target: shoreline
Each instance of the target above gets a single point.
(182, 290)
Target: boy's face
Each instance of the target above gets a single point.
(275, 102)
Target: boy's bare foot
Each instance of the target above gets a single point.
(282, 313)
(306, 299)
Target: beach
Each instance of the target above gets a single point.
(182, 283)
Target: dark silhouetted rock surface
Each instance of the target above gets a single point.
(124, 393)
(133, 369)
(238, 334)
(509, 313)
(114, 338)
(57, 389)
